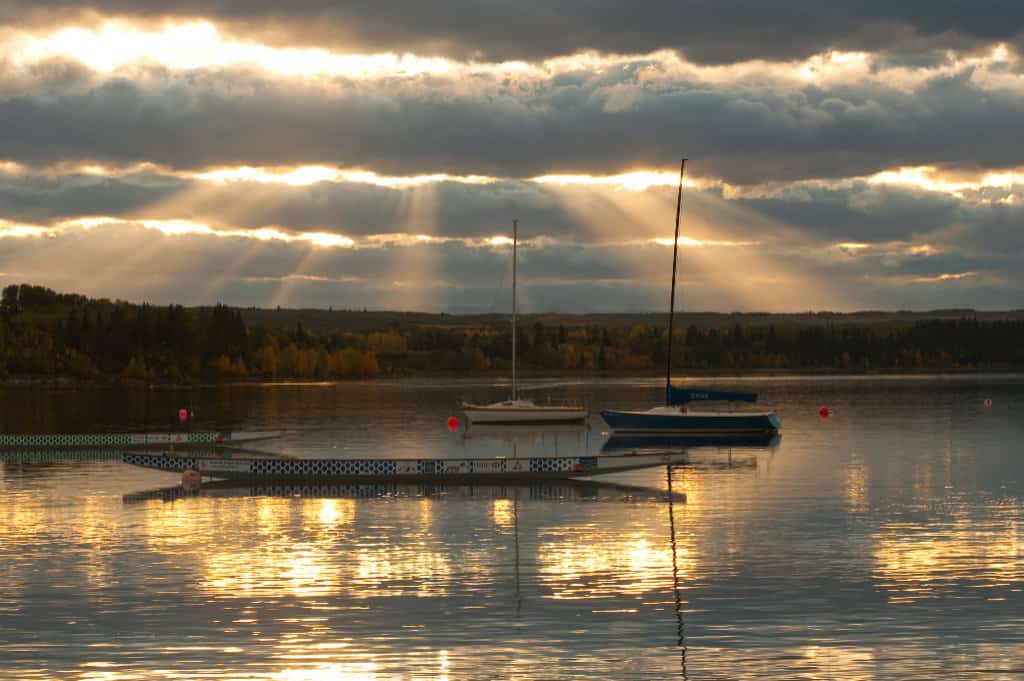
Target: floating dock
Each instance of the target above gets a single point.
(131, 440)
(404, 470)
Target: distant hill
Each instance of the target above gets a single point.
(47, 334)
(368, 320)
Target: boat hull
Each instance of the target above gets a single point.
(403, 470)
(524, 415)
(691, 424)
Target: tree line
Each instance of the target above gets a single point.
(44, 333)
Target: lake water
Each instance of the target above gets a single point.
(885, 542)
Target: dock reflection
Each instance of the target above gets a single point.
(560, 490)
(367, 542)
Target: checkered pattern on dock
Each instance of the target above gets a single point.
(71, 440)
(355, 468)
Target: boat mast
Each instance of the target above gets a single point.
(515, 239)
(672, 299)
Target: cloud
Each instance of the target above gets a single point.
(984, 221)
(858, 211)
(739, 132)
(886, 175)
(718, 32)
(196, 266)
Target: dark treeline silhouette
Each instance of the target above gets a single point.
(43, 333)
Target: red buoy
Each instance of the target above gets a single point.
(988, 402)
(453, 424)
(823, 412)
(182, 415)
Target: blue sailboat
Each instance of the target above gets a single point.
(676, 416)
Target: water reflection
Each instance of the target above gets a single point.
(339, 547)
(921, 560)
(883, 543)
(529, 433)
(618, 443)
(676, 593)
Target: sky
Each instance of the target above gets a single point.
(374, 154)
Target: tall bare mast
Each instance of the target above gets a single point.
(515, 309)
(672, 299)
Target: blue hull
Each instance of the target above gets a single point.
(696, 424)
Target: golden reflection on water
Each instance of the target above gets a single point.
(304, 548)
(579, 564)
(915, 561)
(628, 556)
(503, 512)
(366, 671)
(434, 666)
(279, 567)
(96, 531)
(856, 487)
(825, 663)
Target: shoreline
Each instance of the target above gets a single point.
(683, 375)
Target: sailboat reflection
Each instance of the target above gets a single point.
(680, 624)
(555, 438)
(505, 433)
(641, 443)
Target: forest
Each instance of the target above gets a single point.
(48, 334)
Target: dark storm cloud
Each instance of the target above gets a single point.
(585, 123)
(43, 199)
(859, 211)
(716, 31)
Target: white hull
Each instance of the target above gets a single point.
(522, 412)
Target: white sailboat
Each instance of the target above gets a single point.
(515, 410)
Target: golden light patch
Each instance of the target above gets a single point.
(634, 181)
(12, 231)
(932, 179)
(116, 44)
(178, 228)
(697, 243)
(955, 276)
(312, 174)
